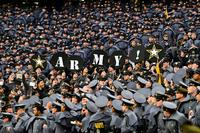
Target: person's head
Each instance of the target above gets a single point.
(192, 89)
(196, 75)
(41, 84)
(20, 109)
(169, 108)
(37, 109)
(127, 105)
(181, 93)
(56, 107)
(165, 64)
(7, 117)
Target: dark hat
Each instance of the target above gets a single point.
(194, 83)
(127, 73)
(101, 101)
(197, 71)
(160, 96)
(19, 106)
(141, 80)
(117, 105)
(176, 64)
(91, 107)
(169, 105)
(181, 90)
(169, 91)
(139, 98)
(56, 105)
(69, 104)
(7, 115)
(39, 106)
(127, 94)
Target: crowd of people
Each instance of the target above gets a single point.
(139, 97)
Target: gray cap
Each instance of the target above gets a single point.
(46, 100)
(169, 105)
(169, 77)
(118, 85)
(125, 101)
(131, 86)
(139, 98)
(141, 80)
(101, 101)
(117, 104)
(34, 99)
(181, 72)
(91, 107)
(69, 104)
(56, 105)
(55, 96)
(91, 96)
(93, 83)
(158, 88)
(127, 94)
(146, 92)
(20, 105)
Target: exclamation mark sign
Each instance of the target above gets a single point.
(138, 53)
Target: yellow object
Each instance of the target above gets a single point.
(159, 73)
(166, 13)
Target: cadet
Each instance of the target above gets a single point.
(89, 109)
(194, 115)
(22, 118)
(37, 123)
(130, 121)
(173, 119)
(63, 121)
(116, 116)
(100, 121)
(7, 124)
(182, 100)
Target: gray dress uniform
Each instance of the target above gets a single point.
(196, 118)
(129, 122)
(173, 123)
(116, 118)
(20, 127)
(63, 120)
(183, 106)
(100, 121)
(92, 108)
(37, 125)
(7, 128)
(155, 123)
